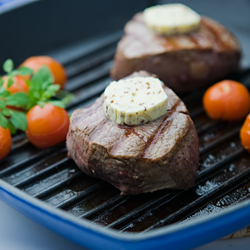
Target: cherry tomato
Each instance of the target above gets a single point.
(57, 70)
(5, 142)
(245, 134)
(227, 100)
(19, 84)
(47, 126)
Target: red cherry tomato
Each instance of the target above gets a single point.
(245, 134)
(227, 100)
(19, 84)
(57, 70)
(47, 126)
(5, 142)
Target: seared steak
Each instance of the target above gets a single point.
(182, 62)
(136, 159)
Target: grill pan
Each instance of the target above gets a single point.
(48, 187)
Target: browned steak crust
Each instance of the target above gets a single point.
(136, 159)
(182, 62)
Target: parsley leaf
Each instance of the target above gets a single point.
(67, 98)
(10, 81)
(1, 82)
(19, 120)
(41, 104)
(43, 76)
(57, 103)
(6, 112)
(23, 71)
(8, 66)
(10, 118)
(2, 104)
(3, 121)
(18, 99)
(42, 89)
(11, 128)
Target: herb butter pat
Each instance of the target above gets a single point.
(170, 19)
(135, 101)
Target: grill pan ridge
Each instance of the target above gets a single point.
(46, 184)
(50, 176)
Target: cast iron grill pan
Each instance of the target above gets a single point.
(223, 178)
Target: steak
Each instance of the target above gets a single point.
(183, 62)
(136, 159)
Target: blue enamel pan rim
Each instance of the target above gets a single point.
(186, 235)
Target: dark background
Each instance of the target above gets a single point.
(43, 27)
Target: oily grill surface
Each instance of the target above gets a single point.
(223, 178)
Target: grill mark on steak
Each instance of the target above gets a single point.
(205, 37)
(201, 42)
(173, 155)
(175, 106)
(158, 133)
(209, 35)
(173, 42)
(92, 127)
(136, 37)
(130, 130)
(118, 145)
(200, 39)
(101, 129)
(219, 34)
(101, 124)
(88, 112)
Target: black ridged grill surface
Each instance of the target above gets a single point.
(223, 177)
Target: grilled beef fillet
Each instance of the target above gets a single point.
(182, 62)
(136, 159)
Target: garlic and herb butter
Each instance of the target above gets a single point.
(135, 101)
(170, 19)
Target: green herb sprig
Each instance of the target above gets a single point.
(8, 67)
(10, 117)
(41, 91)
